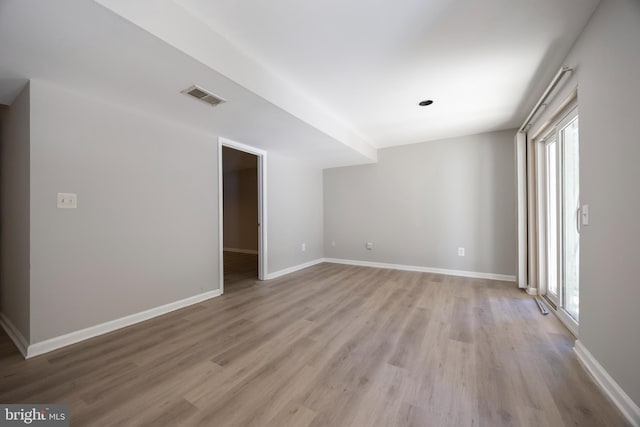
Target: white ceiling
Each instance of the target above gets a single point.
(372, 61)
(328, 81)
(82, 46)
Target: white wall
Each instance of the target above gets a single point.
(14, 214)
(294, 212)
(421, 202)
(606, 58)
(145, 231)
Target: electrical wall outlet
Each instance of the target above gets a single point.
(304, 247)
(369, 245)
(67, 200)
(460, 251)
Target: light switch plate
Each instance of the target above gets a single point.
(67, 200)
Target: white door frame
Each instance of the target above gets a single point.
(545, 142)
(262, 205)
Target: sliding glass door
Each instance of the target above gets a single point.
(570, 217)
(561, 220)
(551, 187)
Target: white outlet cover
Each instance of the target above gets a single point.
(460, 251)
(67, 200)
(369, 245)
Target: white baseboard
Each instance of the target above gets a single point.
(295, 268)
(461, 273)
(532, 291)
(16, 336)
(241, 251)
(103, 328)
(608, 385)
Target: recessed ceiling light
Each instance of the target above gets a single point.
(425, 103)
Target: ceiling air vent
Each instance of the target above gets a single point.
(203, 95)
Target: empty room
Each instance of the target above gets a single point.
(356, 213)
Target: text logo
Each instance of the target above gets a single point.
(34, 415)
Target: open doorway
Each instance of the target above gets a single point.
(242, 243)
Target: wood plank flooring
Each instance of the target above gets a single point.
(331, 345)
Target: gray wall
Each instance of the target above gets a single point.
(294, 212)
(14, 213)
(145, 231)
(421, 202)
(607, 65)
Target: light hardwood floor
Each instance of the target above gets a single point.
(331, 345)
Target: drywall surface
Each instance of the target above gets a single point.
(606, 59)
(14, 213)
(422, 202)
(145, 232)
(294, 206)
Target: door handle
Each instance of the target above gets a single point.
(578, 219)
